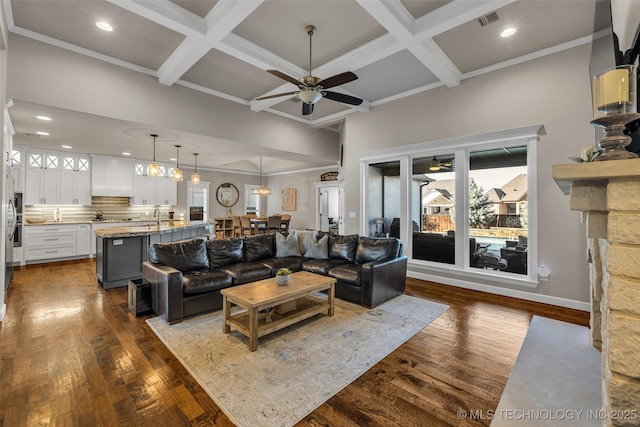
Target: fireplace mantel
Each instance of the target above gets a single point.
(594, 173)
(607, 193)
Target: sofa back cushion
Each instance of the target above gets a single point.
(343, 247)
(183, 255)
(225, 251)
(377, 249)
(259, 247)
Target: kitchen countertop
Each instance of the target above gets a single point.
(145, 230)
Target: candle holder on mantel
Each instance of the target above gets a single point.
(614, 105)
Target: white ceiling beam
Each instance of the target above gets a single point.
(167, 14)
(454, 14)
(395, 18)
(222, 19)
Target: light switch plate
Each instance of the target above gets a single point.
(352, 214)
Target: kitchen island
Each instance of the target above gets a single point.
(120, 251)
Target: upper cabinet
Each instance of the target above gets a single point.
(75, 179)
(54, 178)
(111, 176)
(152, 190)
(18, 156)
(42, 185)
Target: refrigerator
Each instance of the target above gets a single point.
(11, 217)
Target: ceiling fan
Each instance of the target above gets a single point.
(312, 88)
(437, 165)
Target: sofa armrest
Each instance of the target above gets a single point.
(382, 280)
(166, 290)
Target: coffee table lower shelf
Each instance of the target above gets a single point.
(306, 307)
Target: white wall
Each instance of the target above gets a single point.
(553, 91)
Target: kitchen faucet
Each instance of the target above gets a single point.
(157, 211)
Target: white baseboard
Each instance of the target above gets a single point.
(496, 290)
(3, 311)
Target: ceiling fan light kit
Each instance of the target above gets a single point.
(312, 88)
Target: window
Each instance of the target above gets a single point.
(497, 187)
(462, 211)
(433, 183)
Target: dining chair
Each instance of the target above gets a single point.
(273, 223)
(245, 225)
(236, 226)
(284, 224)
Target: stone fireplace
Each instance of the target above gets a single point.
(608, 195)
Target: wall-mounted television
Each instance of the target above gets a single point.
(607, 53)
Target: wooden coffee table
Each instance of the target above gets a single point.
(264, 294)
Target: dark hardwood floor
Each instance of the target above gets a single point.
(71, 354)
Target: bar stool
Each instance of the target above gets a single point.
(379, 222)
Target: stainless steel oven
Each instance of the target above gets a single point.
(17, 234)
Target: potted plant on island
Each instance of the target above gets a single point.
(283, 275)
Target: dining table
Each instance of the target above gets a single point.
(258, 224)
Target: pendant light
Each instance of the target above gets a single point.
(261, 191)
(153, 169)
(195, 178)
(177, 174)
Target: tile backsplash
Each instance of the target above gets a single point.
(111, 207)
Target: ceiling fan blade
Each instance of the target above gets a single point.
(337, 80)
(276, 95)
(307, 109)
(341, 97)
(283, 76)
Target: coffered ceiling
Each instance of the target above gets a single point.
(223, 48)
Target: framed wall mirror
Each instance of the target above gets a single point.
(227, 194)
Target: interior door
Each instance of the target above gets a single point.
(324, 209)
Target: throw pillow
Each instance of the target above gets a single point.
(305, 239)
(287, 246)
(319, 249)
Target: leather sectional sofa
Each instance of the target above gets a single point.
(186, 276)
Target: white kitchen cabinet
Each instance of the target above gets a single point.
(49, 242)
(111, 176)
(166, 191)
(144, 190)
(75, 180)
(42, 181)
(83, 239)
(17, 167)
(152, 190)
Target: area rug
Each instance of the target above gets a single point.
(298, 368)
(556, 380)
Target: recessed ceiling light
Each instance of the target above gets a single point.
(45, 118)
(126, 154)
(67, 146)
(508, 32)
(43, 133)
(104, 26)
